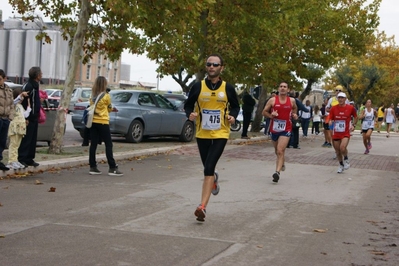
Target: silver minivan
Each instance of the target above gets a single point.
(79, 95)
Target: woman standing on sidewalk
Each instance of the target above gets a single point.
(100, 127)
(369, 117)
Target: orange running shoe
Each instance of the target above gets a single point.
(200, 212)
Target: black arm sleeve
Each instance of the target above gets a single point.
(192, 98)
(233, 100)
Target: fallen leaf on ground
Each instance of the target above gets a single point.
(320, 230)
(37, 182)
(52, 189)
(377, 252)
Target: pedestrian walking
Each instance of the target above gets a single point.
(340, 117)
(280, 110)
(305, 118)
(100, 127)
(316, 119)
(326, 127)
(380, 117)
(294, 139)
(213, 105)
(248, 103)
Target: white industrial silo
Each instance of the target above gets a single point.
(50, 56)
(4, 35)
(16, 51)
(32, 51)
(12, 24)
(62, 61)
(36, 24)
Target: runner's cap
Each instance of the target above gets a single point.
(341, 94)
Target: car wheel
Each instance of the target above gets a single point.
(135, 133)
(236, 126)
(187, 133)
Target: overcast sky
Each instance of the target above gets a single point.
(142, 69)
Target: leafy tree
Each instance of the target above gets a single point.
(105, 27)
(262, 41)
(373, 75)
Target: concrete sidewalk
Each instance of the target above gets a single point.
(313, 216)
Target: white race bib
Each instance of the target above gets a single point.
(211, 119)
(279, 125)
(339, 126)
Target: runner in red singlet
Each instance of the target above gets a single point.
(341, 116)
(280, 109)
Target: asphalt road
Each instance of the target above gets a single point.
(313, 216)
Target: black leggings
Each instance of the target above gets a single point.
(210, 151)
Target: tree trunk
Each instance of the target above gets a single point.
(307, 90)
(74, 58)
(255, 127)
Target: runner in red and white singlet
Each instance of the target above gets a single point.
(280, 109)
(340, 116)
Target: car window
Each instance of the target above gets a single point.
(175, 101)
(145, 99)
(163, 102)
(57, 94)
(74, 92)
(121, 97)
(86, 94)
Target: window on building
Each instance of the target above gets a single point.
(98, 71)
(88, 72)
(115, 72)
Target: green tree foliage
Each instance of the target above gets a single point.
(262, 41)
(373, 75)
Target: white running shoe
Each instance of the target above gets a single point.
(21, 166)
(15, 165)
(346, 164)
(340, 169)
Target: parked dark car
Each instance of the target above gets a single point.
(137, 114)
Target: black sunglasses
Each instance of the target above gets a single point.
(213, 64)
(338, 90)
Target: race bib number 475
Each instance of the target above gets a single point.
(211, 119)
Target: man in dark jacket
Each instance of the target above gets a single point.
(248, 104)
(27, 148)
(294, 139)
